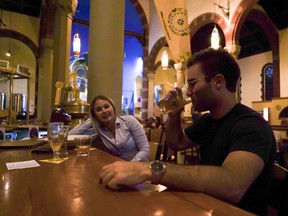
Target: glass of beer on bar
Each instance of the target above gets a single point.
(56, 136)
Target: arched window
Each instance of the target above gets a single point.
(267, 82)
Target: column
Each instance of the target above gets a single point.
(45, 97)
(145, 97)
(179, 74)
(151, 83)
(65, 10)
(180, 68)
(106, 49)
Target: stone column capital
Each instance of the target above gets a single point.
(151, 76)
(178, 66)
(234, 50)
(47, 44)
(67, 7)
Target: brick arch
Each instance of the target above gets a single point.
(261, 19)
(238, 20)
(272, 34)
(204, 19)
(35, 50)
(145, 27)
(245, 13)
(154, 52)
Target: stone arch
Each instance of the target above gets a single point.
(35, 50)
(245, 12)
(154, 52)
(261, 19)
(145, 27)
(238, 20)
(25, 40)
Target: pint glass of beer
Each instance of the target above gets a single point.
(172, 102)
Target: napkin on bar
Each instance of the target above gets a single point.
(22, 164)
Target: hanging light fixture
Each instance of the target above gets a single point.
(164, 60)
(215, 39)
(8, 54)
(76, 45)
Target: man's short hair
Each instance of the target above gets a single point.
(217, 61)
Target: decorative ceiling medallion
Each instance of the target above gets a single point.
(178, 22)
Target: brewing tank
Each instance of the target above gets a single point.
(19, 102)
(2, 101)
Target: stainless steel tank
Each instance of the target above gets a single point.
(19, 102)
(2, 101)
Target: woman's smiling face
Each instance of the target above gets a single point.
(104, 111)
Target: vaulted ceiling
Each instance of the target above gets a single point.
(252, 39)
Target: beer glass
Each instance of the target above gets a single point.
(172, 102)
(56, 136)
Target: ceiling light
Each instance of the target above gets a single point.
(8, 54)
(164, 60)
(215, 39)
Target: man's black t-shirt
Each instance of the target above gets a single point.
(242, 129)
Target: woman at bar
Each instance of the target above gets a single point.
(123, 136)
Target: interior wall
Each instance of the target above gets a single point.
(275, 106)
(251, 69)
(283, 39)
(132, 68)
(165, 76)
(26, 25)
(21, 55)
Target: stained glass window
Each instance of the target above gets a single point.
(267, 82)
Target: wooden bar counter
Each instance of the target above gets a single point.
(72, 188)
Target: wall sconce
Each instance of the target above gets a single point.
(76, 45)
(164, 60)
(224, 10)
(215, 39)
